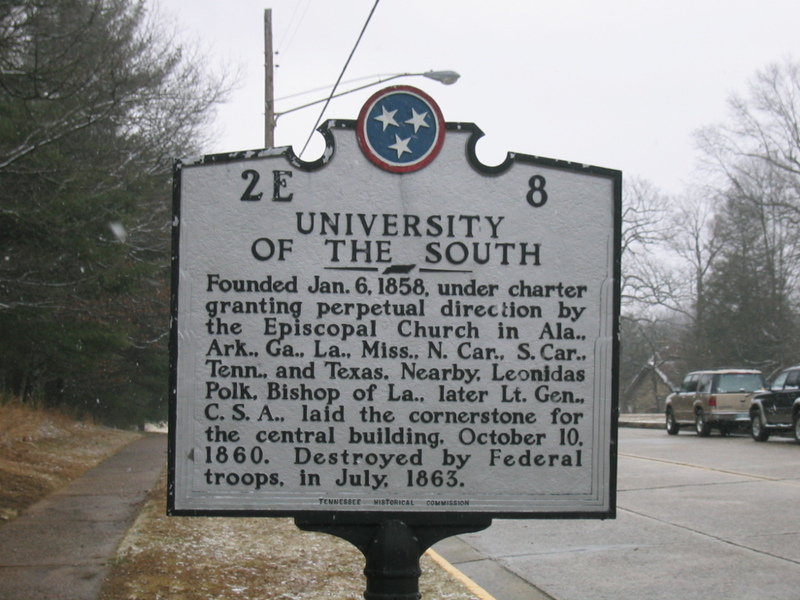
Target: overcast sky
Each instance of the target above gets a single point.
(621, 84)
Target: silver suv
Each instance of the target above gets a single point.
(718, 398)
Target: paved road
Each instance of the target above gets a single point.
(715, 517)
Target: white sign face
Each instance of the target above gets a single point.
(394, 328)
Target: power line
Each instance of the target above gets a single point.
(333, 91)
(293, 27)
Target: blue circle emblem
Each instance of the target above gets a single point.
(400, 129)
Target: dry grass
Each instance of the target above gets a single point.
(186, 558)
(197, 558)
(42, 450)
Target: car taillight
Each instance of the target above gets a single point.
(712, 400)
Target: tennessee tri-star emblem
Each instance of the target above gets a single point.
(400, 129)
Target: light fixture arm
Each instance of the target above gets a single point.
(444, 77)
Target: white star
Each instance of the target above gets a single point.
(418, 120)
(387, 118)
(400, 146)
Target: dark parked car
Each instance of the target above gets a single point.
(715, 398)
(777, 409)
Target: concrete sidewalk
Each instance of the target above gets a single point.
(643, 421)
(59, 549)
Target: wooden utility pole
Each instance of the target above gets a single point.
(269, 91)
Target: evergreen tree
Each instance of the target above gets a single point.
(749, 316)
(95, 101)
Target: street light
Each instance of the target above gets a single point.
(444, 77)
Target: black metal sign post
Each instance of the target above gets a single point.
(394, 343)
(392, 549)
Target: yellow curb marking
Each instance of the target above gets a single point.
(473, 587)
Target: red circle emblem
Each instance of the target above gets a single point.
(400, 129)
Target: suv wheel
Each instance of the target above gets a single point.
(701, 427)
(672, 425)
(757, 428)
(797, 427)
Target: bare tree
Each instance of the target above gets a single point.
(763, 132)
(694, 242)
(748, 303)
(645, 227)
(726, 256)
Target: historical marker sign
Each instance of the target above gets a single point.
(395, 327)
